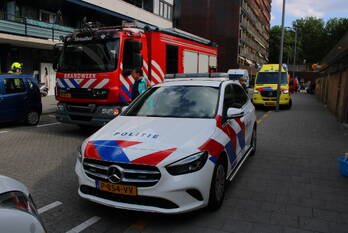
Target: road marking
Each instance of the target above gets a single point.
(52, 116)
(56, 123)
(84, 225)
(48, 207)
(139, 225)
(3, 131)
(258, 121)
(265, 115)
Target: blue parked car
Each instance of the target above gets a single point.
(20, 99)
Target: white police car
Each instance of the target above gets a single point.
(18, 213)
(173, 149)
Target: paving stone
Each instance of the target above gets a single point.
(314, 224)
(284, 220)
(331, 216)
(237, 226)
(295, 230)
(266, 228)
(338, 227)
(299, 211)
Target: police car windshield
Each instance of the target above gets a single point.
(271, 78)
(235, 76)
(176, 101)
(89, 56)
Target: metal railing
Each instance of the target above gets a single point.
(34, 28)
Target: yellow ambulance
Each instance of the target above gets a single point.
(265, 88)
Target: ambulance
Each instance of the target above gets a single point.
(265, 89)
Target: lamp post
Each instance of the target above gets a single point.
(280, 58)
(295, 50)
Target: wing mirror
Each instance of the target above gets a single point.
(233, 113)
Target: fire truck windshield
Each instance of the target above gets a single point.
(89, 56)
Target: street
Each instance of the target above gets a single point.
(291, 185)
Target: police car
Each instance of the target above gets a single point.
(172, 149)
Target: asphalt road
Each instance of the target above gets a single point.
(43, 158)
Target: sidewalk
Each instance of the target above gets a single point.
(293, 179)
(49, 104)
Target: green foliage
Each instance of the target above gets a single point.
(315, 39)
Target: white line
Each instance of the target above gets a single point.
(56, 123)
(102, 83)
(48, 207)
(155, 64)
(3, 132)
(88, 83)
(84, 225)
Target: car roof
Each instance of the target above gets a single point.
(8, 184)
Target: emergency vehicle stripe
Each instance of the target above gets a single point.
(78, 81)
(231, 152)
(125, 144)
(60, 83)
(73, 82)
(156, 77)
(110, 151)
(126, 91)
(68, 82)
(91, 152)
(221, 137)
(145, 65)
(64, 83)
(241, 140)
(213, 147)
(123, 81)
(124, 100)
(89, 83)
(241, 125)
(102, 83)
(154, 158)
(155, 64)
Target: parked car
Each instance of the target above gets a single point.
(238, 74)
(173, 149)
(20, 99)
(18, 213)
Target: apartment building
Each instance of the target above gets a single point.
(30, 29)
(240, 28)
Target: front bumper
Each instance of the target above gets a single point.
(257, 99)
(83, 115)
(170, 189)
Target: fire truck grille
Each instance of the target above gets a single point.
(132, 174)
(269, 93)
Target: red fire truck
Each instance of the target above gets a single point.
(94, 67)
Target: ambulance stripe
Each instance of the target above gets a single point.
(154, 158)
(155, 64)
(86, 85)
(102, 83)
(73, 82)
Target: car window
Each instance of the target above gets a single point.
(241, 97)
(17, 200)
(31, 84)
(13, 85)
(177, 101)
(229, 99)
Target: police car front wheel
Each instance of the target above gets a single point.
(217, 189)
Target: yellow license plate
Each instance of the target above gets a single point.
(118, 188)
(65, 95)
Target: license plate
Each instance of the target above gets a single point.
(65, 95)
(117, 188)
(270, 103)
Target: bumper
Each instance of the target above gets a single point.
(83, 115)
(171, 189)
(257, 99)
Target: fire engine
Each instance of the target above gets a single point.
(94, 67)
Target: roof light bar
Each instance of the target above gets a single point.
(196, 75)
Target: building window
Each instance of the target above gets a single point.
(47, 16)
(163, 9)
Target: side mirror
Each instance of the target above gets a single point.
(124, 108)
(233, 113)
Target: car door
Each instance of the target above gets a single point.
(247, 121)
(234, 127)
(13, 98)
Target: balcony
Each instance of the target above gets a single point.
(32, 28)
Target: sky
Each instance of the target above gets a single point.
(295, 9)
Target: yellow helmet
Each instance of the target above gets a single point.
(16, 65)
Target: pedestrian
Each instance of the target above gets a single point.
(141, 82)
(242, 82)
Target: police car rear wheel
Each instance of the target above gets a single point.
(33, 118)
(217, 189)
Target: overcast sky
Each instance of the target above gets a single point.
(295, 9)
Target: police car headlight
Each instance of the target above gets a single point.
(189, 164)
(79, 153)
(285, 91)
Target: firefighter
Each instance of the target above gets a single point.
(141, 82)
(16, 68)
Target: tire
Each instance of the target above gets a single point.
(32, 118)
(253, 142)
(217, 188)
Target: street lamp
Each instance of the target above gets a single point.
(280, 58)
(295, 42)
